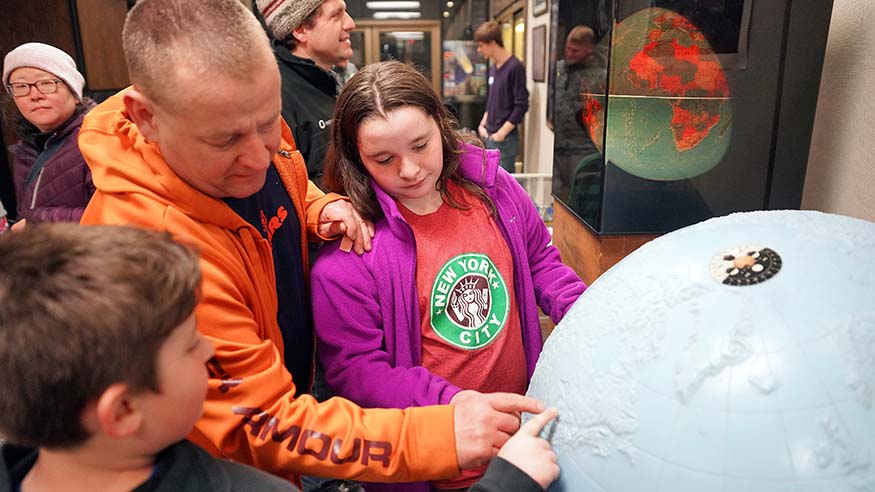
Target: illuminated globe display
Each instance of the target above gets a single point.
(669, 115)
(734, 355)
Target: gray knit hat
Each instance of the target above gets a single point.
(48, 58)
(284, 16)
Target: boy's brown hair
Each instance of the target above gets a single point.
(487, 32)
(82, 308)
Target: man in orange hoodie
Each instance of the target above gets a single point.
(197, 147)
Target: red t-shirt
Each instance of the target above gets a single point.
(470, 323)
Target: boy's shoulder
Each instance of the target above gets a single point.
(185, 466)
(504, 476)
(15, 461)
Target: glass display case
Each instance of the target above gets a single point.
(464, 81)
(669, 112)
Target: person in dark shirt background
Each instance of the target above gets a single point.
(309, 38)
(508, 97)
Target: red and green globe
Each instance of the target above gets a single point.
(669, 114)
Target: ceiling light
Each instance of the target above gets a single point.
(397, 15)
(414, 35)
(446, 14)
(450, 4)
(392, 4)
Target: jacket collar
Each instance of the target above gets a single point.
(32, 135)
(307, 70)
(181, 466)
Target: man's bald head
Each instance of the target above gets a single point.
(165, 40)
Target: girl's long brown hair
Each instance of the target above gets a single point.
(377, 90)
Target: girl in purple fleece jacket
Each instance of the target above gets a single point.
(446, 302)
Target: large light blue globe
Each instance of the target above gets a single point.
(667, 379)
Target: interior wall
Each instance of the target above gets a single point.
(841, 172)
(539, 138)
(100, 25)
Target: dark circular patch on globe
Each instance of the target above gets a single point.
(746, 265)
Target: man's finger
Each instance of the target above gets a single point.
(365, 235)
(354, 233)
(533, 427)
(512, 402)
(332, 228)
(507, 423)
(502, 438)
(352, 228)
(345, 244)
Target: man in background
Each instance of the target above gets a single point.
(508, 97)
(310, 37)
(344, 70)
(582, 71)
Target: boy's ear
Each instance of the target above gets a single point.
(115, 412)
(141, 111)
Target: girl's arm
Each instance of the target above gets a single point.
(556, 285)
(349, 319)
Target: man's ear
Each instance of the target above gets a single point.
(115, 413)
(300, 34)
(141, 111)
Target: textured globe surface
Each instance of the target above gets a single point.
(669, 116)
(737, 354)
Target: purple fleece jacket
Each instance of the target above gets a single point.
(366, 309)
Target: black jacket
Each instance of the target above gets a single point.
(502, 476)
(309, 94)
(181, 467)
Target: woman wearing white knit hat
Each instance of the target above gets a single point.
(52, 181)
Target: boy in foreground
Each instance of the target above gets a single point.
(104, 370)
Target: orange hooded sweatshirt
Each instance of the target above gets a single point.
(251, 415)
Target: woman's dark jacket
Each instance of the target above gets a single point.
(52, 181)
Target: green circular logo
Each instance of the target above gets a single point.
(469, 301)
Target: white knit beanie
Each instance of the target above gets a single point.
(48, 58)
(284, 16)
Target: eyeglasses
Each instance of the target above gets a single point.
(21, 89)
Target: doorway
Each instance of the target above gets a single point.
(513, 34)
(413, 42)
(513, 31)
